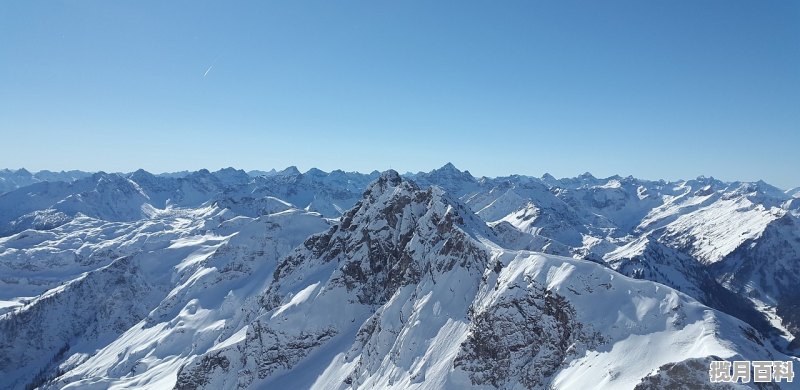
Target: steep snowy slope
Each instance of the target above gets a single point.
(410, 290)
(153, 294)
(766, 269)
(714, 231)
(682, 198)
(646, 258)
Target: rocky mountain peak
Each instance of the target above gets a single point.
(449, 167)
(387, 180)
(450, 170)
(392, 237)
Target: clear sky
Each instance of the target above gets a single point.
(654, 89)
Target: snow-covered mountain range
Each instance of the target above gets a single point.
(283, 279)
(11, 180)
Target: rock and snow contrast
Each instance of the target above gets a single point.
(438, 280)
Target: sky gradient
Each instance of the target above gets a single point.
(655, 89)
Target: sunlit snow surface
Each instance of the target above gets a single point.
(143, 281)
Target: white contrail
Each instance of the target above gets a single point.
(210, 67)
(208, 70)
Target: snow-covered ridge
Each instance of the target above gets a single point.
(134, 196)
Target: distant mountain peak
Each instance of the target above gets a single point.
(23, 172)
(290, 171)
(449, 166)
(141, 176)
(230, 170)
(449, 169)
(316, 172)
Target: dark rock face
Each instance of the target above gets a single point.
(84, 310)
(688, 374)
(198, 376)
(526, 338)
(276, 349)
(269, 349)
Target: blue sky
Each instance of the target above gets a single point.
(654, 89)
